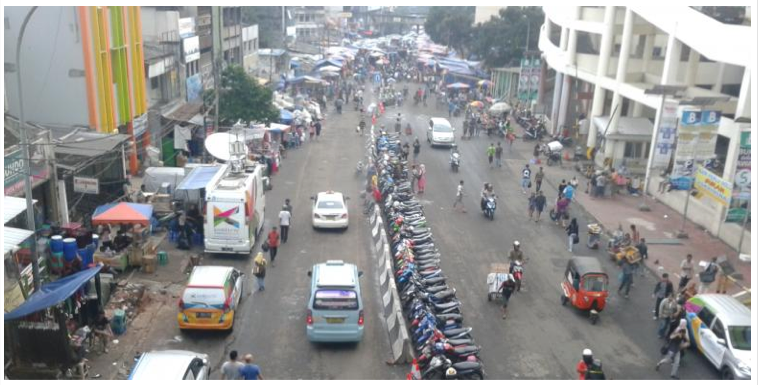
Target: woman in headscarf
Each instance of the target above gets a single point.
(422, 179)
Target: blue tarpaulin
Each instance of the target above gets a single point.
(198, 178)
(285, 116)
(53, 293)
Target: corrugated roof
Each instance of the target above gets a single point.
(12, 237)
(12, 207)
(89, 144)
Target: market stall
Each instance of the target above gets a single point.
(131, 243)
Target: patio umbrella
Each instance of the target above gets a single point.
(477, 104)
(329, 69)
(458, 86)
(391, 80)
(124, 212)
(500, 108)
(485, 83)
(330, 75)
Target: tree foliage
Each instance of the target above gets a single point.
(269, 20)
(242, 98)
(451, 26)
(501, 40)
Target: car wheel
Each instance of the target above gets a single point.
(564, 299)
(726, 374)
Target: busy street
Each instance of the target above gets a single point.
(377, 193)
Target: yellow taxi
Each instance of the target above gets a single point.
(211, 298)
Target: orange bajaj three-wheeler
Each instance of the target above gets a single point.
(585, 286)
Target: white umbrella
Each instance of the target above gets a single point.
(500, 108)
(329, 69)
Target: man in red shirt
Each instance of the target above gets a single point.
(584, 364)
(273, 241)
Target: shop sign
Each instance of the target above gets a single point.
(741, 181)
(186, 27)
(713, 186)
(86, 185)
(696, 141)
(14, 170)
(191, 48)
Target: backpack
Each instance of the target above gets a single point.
(595, 371)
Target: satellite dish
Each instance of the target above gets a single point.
(227, 147)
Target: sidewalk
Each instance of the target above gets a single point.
(659, 224)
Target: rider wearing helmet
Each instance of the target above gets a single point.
(589, 368)
(516, 254)
(487, 191)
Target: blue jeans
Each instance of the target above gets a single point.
(663, 327)
(627, 280)
(260, 282)
(525, 183)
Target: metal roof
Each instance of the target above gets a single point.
(209, 275)
(586, 265)
(89, 144)
(13, 206)
(12, 237)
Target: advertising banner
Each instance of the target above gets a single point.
(713, 186)
(741, 182)
(86, 185)
(191, 48)
(186, 27)
(194, 89)
(666, 138)
(696, 141)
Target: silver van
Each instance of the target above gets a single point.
(335, 310)
(171, 365)
(440, 132)
(719, 326)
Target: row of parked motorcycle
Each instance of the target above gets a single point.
(444, 347)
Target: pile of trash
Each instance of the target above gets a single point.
(127, 296)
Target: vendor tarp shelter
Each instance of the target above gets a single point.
(127, 213)
(53, 293)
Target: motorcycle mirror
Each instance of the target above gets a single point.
(360, 274)
(313, 198)
(309, 273)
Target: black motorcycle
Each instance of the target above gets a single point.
(439, 369)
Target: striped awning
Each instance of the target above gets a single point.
(12, 237)
(12, 207)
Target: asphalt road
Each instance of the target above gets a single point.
(540, 338)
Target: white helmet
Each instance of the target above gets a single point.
(516, 243)
(450, 372)
(587, 352)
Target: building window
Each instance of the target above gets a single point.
(255, 43)
(636, 150)
(154, 83)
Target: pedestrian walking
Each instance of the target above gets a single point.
(536, 153)
(677, 342)
(626, 277)
(561, 187)
(284, 223)
(526, 174)
(498, 155)
(540, 204)
(311, 132)
(318, 127)
(539, 179)
(491, 154)
(635, 234)
(272, 243)
(460, 197)
(250, 371)
(531, 205)
(643, 248)
(686, 271)
(667, 310)
(288, 207)
(569, 192)
(708, 276)
(662, 290)
(562, 211)
(414, 177)
(573, 231)
(507, 289)
(422, 179)
(259, 270)
(230, 370)
(417, 149)
(601, 186)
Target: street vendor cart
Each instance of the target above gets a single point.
(499, 272)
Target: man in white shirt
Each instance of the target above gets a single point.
(284, 223)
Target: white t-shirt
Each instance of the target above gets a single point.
(284, 218)
(526, 173)
(460, 190)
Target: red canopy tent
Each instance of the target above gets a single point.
(123, 213)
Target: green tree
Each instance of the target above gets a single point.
(269, 20)
(501, 40)
(451, 26)
(242, 98)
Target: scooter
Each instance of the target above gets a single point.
(594, 236)
(490, 206)
(441, 368)
(455, 161)
(517, 270)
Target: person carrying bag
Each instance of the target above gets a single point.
(259, 270)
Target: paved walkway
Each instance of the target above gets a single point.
(661, 223)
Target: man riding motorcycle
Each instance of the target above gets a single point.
(487, 192)
(516, 254)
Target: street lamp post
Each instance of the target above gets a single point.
(664, 91)
(527, 42)
(27, 173)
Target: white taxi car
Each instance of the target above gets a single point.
(330, 211)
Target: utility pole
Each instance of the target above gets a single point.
(218, 52)
(25, 153)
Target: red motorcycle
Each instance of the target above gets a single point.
(517, 270)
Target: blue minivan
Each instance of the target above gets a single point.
(335, 309)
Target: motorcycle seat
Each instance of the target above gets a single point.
(455, 317)
(446, 305)
(460, 341)
(466, 349)
(457, 331)
(467, 365)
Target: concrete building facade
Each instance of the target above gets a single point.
(605, 58)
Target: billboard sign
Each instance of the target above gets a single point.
(696, 141)
(191, 48)
(713, 186)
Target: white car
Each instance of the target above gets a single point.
(440, 132)
(330, 210)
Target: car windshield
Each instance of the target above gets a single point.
(443, 128)
(335, 300)
(329, 204)
(740, 337)
(201, 296)
(594, 283)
